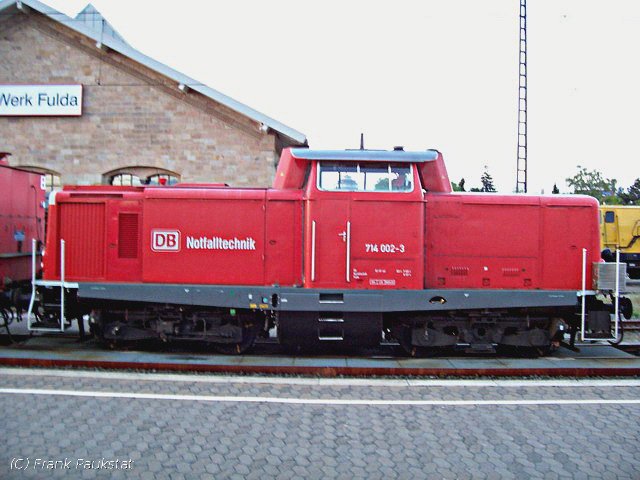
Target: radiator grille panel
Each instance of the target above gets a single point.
(83, 230)
(128, 235)
(604, 276)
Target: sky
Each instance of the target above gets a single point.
(421, 74)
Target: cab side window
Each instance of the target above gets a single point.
(401, 178)
(365, 177)
(609, 217)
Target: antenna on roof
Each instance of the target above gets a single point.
(362, 141)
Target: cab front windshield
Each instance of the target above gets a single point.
(365, 177)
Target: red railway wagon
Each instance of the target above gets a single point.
(348, 247)
(22, 198)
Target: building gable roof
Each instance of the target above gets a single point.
(95, 21)
(89, 22)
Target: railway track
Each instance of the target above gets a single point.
(269, 359)
(631, 325)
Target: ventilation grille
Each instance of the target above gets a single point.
(82, 227)
(510, 272)
(604, 276)
(128, 235)
(459, 271)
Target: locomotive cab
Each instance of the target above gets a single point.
(363, 225)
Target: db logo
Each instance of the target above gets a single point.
(165, 240)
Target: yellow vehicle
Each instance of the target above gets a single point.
(620, 230)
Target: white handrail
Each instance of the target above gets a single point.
(348, 251)
(33, 283)
(313, 251)
(61, 285)
(584, 292)
(617, 294)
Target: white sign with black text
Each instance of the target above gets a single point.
(40, 100)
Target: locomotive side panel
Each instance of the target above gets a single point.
(21, 214)
(387, 244)
(570, 224)
(208, 236)
(124, 242)
(508, 242)
(101, 229)
(283, 246)
(483, 242)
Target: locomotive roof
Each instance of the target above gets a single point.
(365, 155)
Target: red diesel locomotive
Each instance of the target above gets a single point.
(347, 247)
(22, 196)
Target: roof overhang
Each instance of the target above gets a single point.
(398, 156)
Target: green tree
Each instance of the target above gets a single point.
(632, 195)
(593, 183)
(382, 184)
(487, 181)
(555, 190)
(458, 187)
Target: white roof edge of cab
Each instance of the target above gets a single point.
(365, 155)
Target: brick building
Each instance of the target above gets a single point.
(138, 120)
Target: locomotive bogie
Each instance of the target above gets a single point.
(529, 328)
(230, 330)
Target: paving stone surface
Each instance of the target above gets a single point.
(175, 439)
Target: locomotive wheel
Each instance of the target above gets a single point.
(7, 318)
(249, 335)
(403, 335)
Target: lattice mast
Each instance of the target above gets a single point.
(521, 173)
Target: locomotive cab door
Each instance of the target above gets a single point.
(328, 243)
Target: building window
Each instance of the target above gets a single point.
(52, 179)
(162, 179)
(52, 182)
(125, 179)
(136, 176)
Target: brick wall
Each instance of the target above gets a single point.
(132, 116)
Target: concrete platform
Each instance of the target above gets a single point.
(184, 426)
(45, 351)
